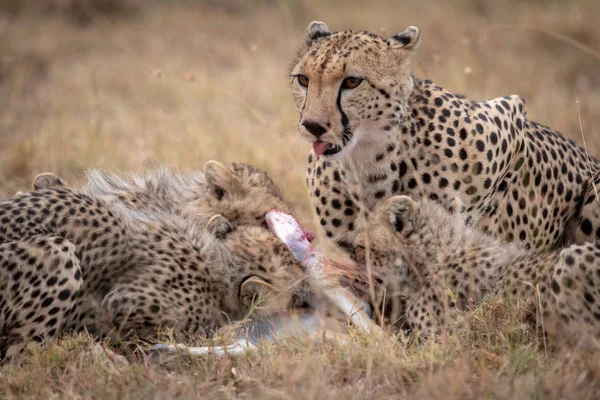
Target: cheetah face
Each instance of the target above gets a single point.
(400, 239)
(394, 227)
(266, 278)
(416, 231)
(241, 193)
(351, 88)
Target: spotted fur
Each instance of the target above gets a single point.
(72, 260)
(432, 263)
(241, 193)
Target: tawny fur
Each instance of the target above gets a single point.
(432, 262)
(239, 192)
(152, 253)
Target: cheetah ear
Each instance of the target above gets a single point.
(400, 211)
(316, 30)
(409, 39)
(219, 178)
(253, 288)
(47, 180)
(219, 226)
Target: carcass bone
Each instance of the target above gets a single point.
(248, 334)
(297, 239)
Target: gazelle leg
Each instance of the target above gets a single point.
(238, 348)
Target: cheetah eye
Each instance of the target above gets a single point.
(302, 80)
(351, 82)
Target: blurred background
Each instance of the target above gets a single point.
(119, 84)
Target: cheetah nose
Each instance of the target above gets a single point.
(314, 127)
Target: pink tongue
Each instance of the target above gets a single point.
(319, 147)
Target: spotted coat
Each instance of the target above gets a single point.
(395, 134)
(71, 261)
(432, 263)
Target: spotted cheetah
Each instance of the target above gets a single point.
(241, 193)
(432, 262)
(378, 131)
(75, 261)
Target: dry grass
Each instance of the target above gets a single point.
(497, 357)
(109, 84)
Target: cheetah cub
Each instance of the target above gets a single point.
(241, 193)
(431, 263)
(70, 261)
(138, 252)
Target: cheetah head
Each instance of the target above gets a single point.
(351, 87)
(239, 192)
(265, 278)
(395, 242)
(404, 239)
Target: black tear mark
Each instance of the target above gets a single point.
(347, 133)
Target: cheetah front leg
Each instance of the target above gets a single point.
(39, 280)
(139, 307)
(575, 287)
(432, 309)
(426, 318)
(585, 227)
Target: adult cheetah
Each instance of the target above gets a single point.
(431, 263)
(378, 131)
(70, 261)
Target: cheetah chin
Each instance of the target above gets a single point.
(331, 151)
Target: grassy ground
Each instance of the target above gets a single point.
(117, 84)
